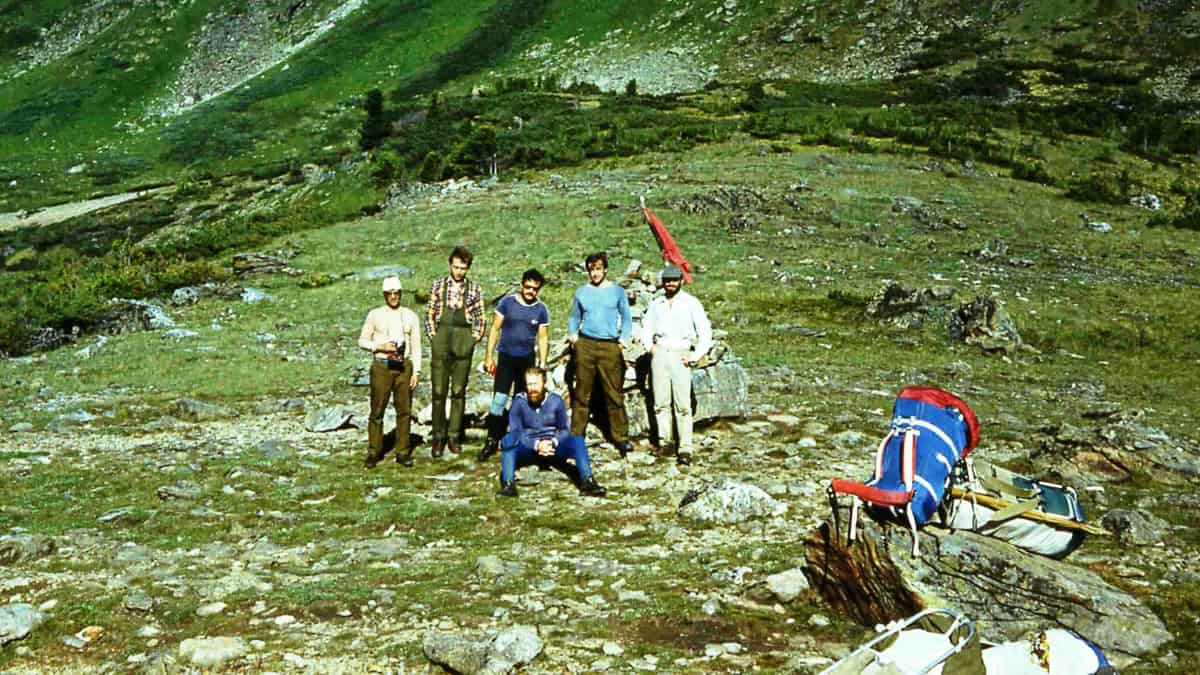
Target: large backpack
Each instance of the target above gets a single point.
(931, 431)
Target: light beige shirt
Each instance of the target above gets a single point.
(678, 324)
(400, 325)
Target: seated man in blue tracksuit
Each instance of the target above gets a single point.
(538, 433)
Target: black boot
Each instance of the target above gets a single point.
(590, 488)
(508, 489)
(495, 430)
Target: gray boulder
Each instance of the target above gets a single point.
(211, 652)
(788, 585)
(132, 316)
(503, 652)
(985, 322)
(729, 502)
(17, 621)
(20, 548)
(1135, 527)
(327, 419)
(194, 410)
(186, 295)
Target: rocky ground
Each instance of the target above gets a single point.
(551, 578)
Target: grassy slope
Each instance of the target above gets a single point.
(1113, 299)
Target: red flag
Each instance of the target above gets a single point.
(670, 251)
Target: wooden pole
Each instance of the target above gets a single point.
(1039, 516)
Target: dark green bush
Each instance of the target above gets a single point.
(1031, 170)
(1105, 187)
(432, 168)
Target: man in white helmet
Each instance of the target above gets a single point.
(393, 336)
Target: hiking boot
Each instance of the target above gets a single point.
(437, 447)
(404, 459)
(683, 459)
(372, 459)
(590, 488)
(624, 447)
(489, 449)
(508, 489)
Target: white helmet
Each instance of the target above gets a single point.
(391, 284)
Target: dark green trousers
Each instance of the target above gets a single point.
(449, 370)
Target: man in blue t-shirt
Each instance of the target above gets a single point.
(521, 327)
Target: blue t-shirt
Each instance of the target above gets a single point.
(519, 329)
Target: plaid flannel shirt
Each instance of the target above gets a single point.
(473, 303)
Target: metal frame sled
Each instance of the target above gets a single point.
(913, 651)
(1037, 516)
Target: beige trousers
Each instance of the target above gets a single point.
(672, 384)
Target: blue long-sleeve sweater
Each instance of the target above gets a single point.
(601, 312)
(530, 424)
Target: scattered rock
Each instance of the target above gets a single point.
(21, 548)
(327, 419)
(1147, 201)
(186, 295)
(212, 652)
(788, 585)
(184, 489)
(194, 410)
(138, 601)
(500, 653)
(245, 264)
(729, 502)
(383, 271)
(179, 334)
(132, 316)
(17, 621)
(1135, 527)
(276, 449)
(492, 567)
(985, 322)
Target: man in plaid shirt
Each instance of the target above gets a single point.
(454, 323)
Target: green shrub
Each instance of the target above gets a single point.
(631, 88)
(375, 126)
(432, 168)
(1031, 170)
(1101, 186)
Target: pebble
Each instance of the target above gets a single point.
(210, 609)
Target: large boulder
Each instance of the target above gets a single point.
(729, 502)
(17, 621)
(19, 548)
(1008, 592)
(211, 652)
(985, 322)
(132, 316)
(491, 654)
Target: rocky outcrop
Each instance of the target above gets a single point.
(1008, 592)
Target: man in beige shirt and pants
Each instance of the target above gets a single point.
(677, 333)
(393, 336)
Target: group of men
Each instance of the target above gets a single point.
(675, 331)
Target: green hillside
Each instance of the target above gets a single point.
(804, 155)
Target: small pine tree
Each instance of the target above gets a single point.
(432, 167)
(631, 88)
(375, 126)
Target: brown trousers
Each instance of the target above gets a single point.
(603, 361)
(386, 383)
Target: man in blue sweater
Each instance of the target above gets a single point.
(597, 327)
(538, 434)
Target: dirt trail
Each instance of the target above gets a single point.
(60, 212)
